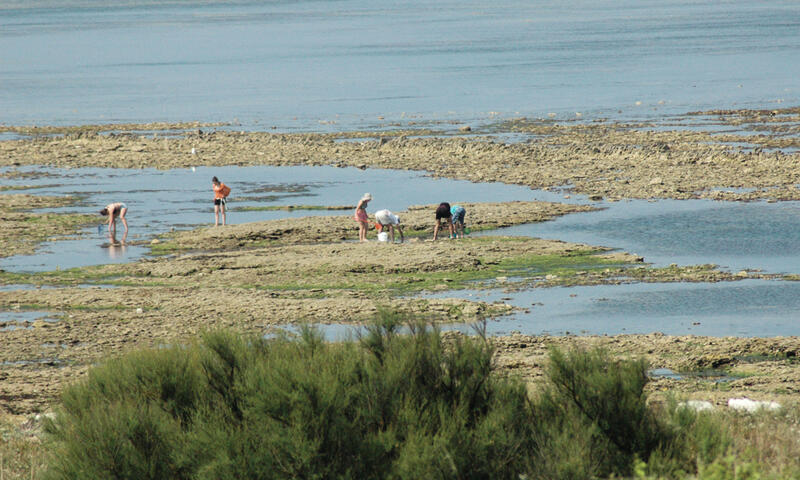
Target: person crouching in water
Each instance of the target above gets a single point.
(385, 218)
(114, 211)
(443, 213)
(221, 191)
(457, 212)
(361, 217)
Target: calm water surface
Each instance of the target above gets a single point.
(735, 236)
(749, 308)
(314, 64)
(745, 308)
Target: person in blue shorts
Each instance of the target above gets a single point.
(457, 213)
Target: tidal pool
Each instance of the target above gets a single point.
(736, 236)
(161, 200)
(746, 308)
(24, 319)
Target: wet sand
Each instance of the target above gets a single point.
(677, 159)
(22, 231)
(257, 276)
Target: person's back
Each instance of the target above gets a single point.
(457, 214)
(386, 218)
(442, 213)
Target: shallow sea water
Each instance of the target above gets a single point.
(744, 308)
(734, 235)
(747, 308)
(317, 65)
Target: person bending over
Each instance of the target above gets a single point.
(114, 211)
(457, 212)
(385, 218)
(443, 214)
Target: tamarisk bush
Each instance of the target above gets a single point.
(387, 404)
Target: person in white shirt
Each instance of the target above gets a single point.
(385, 218)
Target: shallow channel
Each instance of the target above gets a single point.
(734, 235)
(756, 235)
(161, 200)
(747, 308)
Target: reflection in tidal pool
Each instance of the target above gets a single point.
(161, 200)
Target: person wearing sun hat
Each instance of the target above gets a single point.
(362, 218)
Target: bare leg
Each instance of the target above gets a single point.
(222, 209)
(216, 215)
(122, 217)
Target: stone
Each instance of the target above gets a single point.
(751, 406)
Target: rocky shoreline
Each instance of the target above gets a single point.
(756, 158)
(266, 274)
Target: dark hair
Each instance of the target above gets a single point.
(443, 211)
(215, 180)
(104, 211)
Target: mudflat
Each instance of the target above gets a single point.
(752, 154)
(22, 229)
(260, 276)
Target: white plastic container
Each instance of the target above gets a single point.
(383, 237)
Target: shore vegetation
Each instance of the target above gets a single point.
(399, 401)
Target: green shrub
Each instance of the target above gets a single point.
(385, 405)
(126, 419)
(388, 405)
(593, 414)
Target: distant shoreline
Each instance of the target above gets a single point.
(736, 155)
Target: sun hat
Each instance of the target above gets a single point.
(367, 197)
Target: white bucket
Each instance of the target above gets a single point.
(383, 237)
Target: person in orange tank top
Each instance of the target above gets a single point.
(220, 193)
